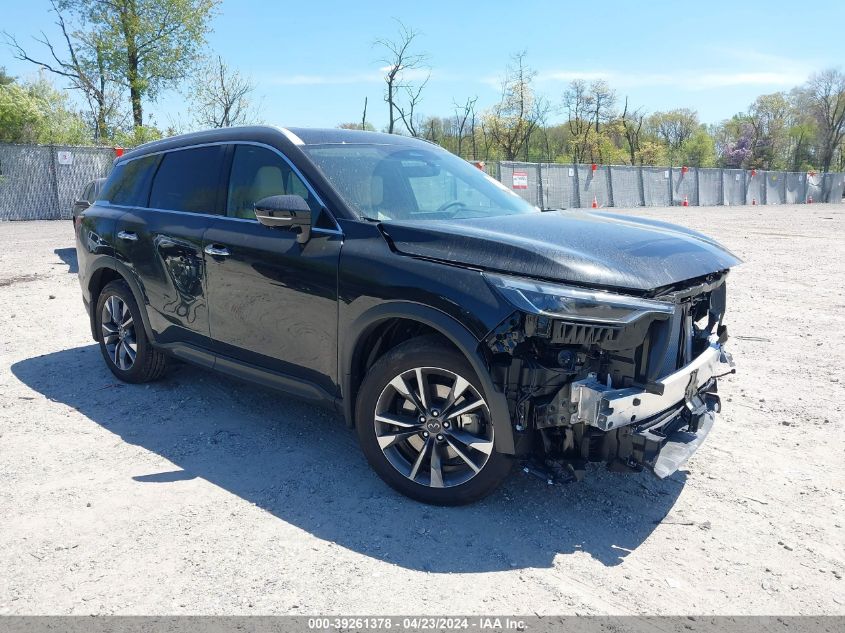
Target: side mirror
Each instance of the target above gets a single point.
(285, 211)
(82, 204)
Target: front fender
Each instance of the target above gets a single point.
(446, 326)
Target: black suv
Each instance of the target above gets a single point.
(455, 326)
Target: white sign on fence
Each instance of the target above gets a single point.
(520, 180)
(64, 157)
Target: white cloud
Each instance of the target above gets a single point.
(754, 69)
(689, 79)
(720, 80)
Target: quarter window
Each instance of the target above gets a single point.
(188, 180)
(129, 183)
(258, 173)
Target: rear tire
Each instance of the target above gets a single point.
(123, 340)
(434, 445)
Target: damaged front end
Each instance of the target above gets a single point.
(598, 376)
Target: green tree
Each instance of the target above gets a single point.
(357, 125)
(674, 128)
(148, 45)
(824, 94)
(83, 65)
(139, 135)
(38, 113)
(770, 117)
(20, 116)
(699, 150)
(5, 78)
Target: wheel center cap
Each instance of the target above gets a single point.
(433, 426)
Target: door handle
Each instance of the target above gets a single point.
(126, 235)
(216, 251)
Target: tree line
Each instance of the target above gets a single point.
(120, 55)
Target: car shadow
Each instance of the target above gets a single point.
(301, 464)
(68, 256)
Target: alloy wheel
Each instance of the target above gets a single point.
(118, 329)
(434, 427)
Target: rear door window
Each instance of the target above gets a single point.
(188, 180)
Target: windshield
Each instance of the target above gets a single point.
(388, 182)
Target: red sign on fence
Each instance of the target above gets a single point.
(520, 180)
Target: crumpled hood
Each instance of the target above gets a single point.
(592, 248)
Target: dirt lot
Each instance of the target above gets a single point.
(202, 495)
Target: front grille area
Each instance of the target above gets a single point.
(560, 332)
(580, 334)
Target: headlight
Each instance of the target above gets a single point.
(575, 304)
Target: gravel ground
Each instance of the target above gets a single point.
(201, 495)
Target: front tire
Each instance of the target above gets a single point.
(123, 341)
(425, 427)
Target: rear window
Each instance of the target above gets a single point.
(129, 182)
(188, 180)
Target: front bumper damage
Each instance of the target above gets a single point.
(642, 395)
(675, 415)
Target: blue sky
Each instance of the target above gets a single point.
(314, 62)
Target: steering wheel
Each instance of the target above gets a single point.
(452, 203)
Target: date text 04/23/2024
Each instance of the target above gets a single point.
(481, 623)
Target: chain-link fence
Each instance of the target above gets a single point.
(554, 185)
(40, 182)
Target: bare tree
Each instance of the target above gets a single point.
(472, 135)
(486, 139)
(364, 116)
(588, 107)
(463, 113)
(603, 98)
(399, 60)
(825, 95)
(545, 141)
(407, 110)
(632, 125)
(84, 66)
(221, 96)
(512, 120)
(577, 102)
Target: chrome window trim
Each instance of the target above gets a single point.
(293, 167)
(314, 229)
(293, 138)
